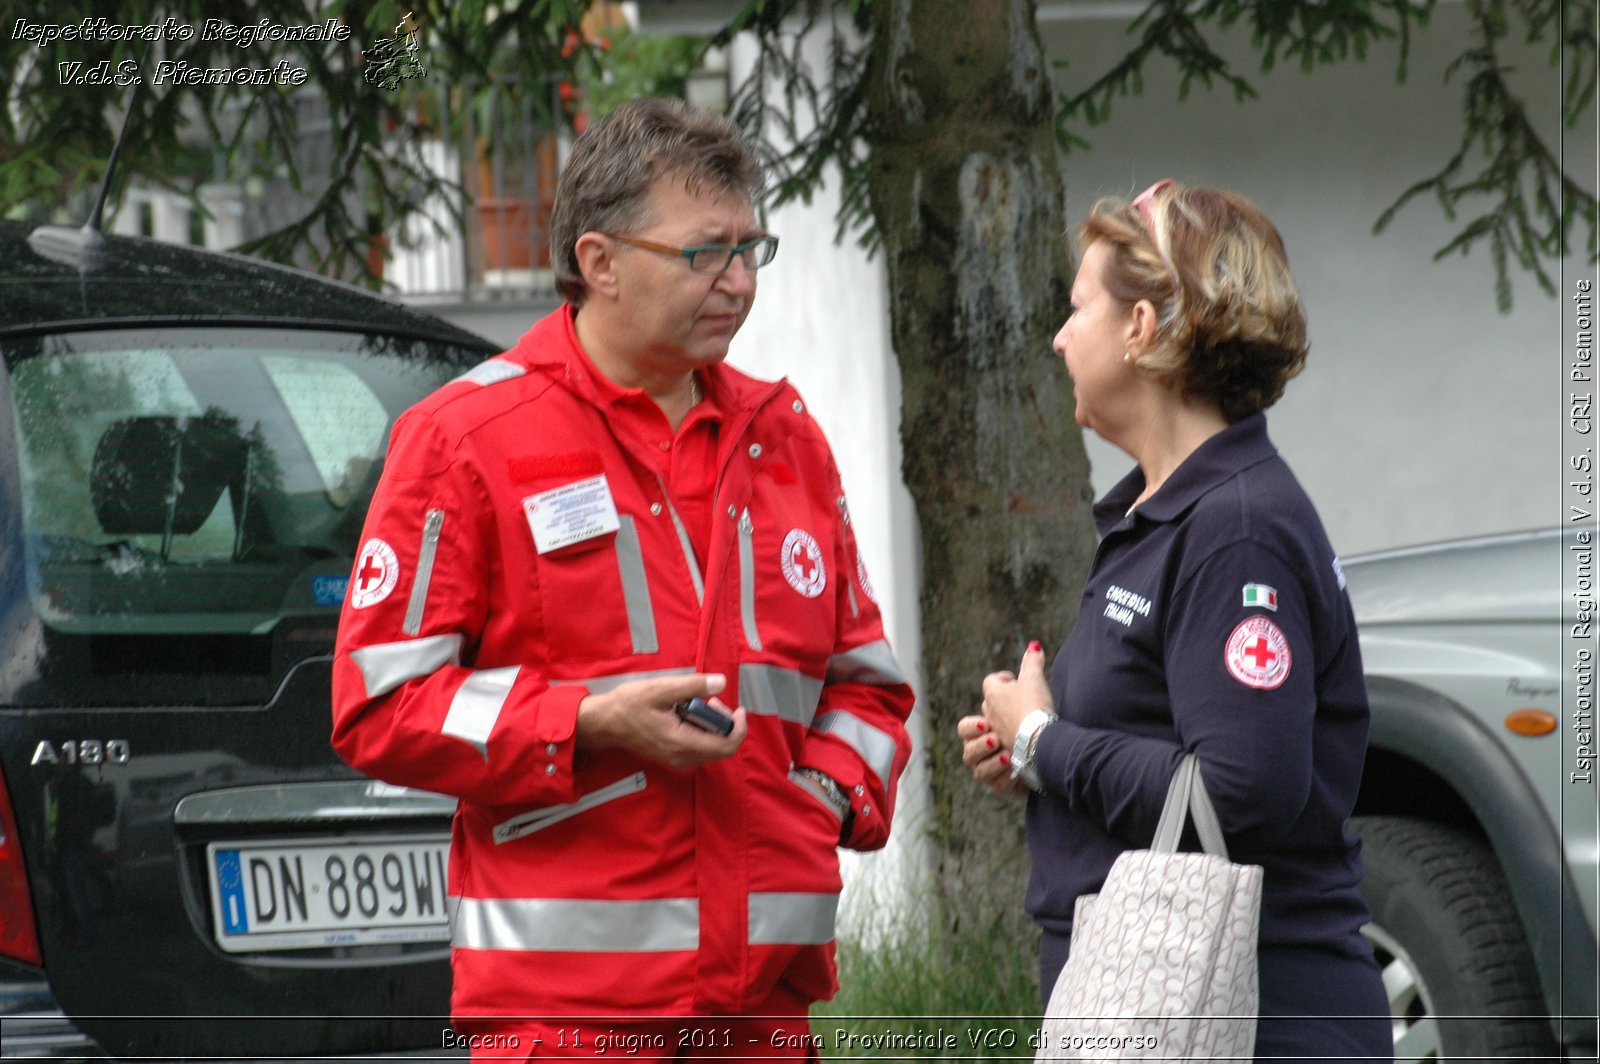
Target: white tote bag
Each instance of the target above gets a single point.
(1163, 960)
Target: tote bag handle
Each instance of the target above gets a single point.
(1187, 796)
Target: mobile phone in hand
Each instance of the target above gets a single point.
(702, 714)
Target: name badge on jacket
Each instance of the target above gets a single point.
(571, 513)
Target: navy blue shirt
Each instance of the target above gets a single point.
(1214, 620)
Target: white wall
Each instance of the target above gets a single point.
(1423, 413)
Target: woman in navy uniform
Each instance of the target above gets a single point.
(1214, 620)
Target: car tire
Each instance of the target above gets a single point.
(1457, 966)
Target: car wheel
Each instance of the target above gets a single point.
(1456, 965)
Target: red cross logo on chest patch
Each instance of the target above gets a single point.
(1257, 654)
(802, 563)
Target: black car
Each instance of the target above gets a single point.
(188, 442)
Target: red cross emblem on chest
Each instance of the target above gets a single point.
(801, 561)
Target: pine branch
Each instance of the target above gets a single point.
(1311, 32)
(1532, 203)
(818, 114)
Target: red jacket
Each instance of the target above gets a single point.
(603, 884)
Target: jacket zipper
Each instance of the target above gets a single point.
(524, 824)
(689, 559)
(736, 432)
(849, 582)
(419, 590)
(747, 579)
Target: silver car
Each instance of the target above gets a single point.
(1478, 805)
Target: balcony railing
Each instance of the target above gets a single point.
(496, 243)
(486, 240)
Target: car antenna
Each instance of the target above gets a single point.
(84, 248)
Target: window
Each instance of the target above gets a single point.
(192, 498)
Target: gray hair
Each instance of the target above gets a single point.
(605, 185)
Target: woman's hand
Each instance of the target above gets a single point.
(989, 760)
(1007, 698)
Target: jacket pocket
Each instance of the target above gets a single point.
(595, 598)
(525, 824)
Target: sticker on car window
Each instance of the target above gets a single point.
(329, 590)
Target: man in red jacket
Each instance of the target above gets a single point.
(568, 542)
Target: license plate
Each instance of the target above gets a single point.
(321, 893)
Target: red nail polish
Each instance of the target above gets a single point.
(982, 727)
(1005, 758)
(989, 742)
(1034, 647)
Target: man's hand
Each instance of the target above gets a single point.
(638, 716)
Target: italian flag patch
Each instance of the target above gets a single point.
(1260, 596)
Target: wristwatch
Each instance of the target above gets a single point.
(1022, 766)
(833, 794)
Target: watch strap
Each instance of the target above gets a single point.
(1022, 766)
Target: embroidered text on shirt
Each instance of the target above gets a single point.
(1122, 605)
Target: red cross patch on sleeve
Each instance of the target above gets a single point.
(1257, 654)
(377, 571)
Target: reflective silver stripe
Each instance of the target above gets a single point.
(689, 557)
(419, 588)
(779, 692)
(571, 925)
(477, 705)
(636, 588)
(875, 746)
(868, 663)
(849, 585)
(792, 919)
(493, 371)
(601, 684)
(385, 666)
(538, 819)
(747, 580)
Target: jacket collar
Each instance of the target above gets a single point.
(1216, 461)
(551, 347)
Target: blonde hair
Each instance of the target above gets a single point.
(1229, 325)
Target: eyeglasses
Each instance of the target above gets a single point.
(713, 258)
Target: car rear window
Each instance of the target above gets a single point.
(191, 501)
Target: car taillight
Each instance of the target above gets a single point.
(19, 939)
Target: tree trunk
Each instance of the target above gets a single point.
(968, 199)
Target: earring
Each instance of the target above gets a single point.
(1127, 358)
